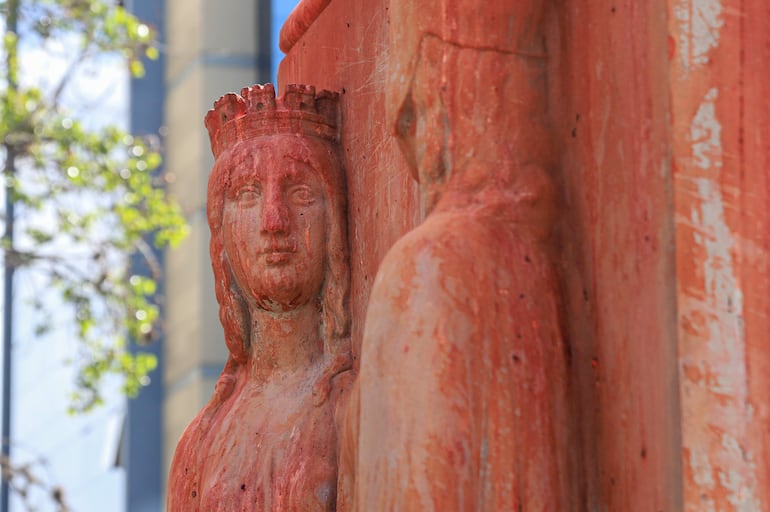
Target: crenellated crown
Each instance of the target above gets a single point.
(257, 112)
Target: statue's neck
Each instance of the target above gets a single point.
(284, 342)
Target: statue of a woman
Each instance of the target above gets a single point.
(267, 439)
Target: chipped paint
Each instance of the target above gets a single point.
(714, 389)
(739, 495)
(703, 474)
(719, 462)
(699, 22)
(706, 133)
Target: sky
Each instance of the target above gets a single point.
(281, 9)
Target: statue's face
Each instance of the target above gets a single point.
(274, 223)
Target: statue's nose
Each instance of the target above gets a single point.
(275, 214)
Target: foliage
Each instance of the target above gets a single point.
(90, 197)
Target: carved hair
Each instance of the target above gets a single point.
(320, 151)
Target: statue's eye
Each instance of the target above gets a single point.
(249, 194)
(301, 194)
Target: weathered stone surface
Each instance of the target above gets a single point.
(645, 124)
(267, 439)
(303, 15)
(608, 108)
(462, 348)
(453, 411)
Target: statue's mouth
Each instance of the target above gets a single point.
(278, 246)
(278, 255)
(278, 258)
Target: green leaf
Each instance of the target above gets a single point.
(152, 53)
(136, 68)
(98, 190)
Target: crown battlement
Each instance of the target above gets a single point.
(257, 112)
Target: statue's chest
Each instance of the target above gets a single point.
(272, 449)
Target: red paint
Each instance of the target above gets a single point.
(609, 105)
(455, 422)
(722, 125)
(298, 21)
(268, 438)
(383, 200)
(630, 206)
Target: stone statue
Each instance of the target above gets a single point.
(462, 351)
(267, 439)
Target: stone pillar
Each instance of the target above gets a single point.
(720, 132)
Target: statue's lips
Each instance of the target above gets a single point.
(278, 256)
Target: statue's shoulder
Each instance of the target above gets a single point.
(190, 441)
(422, 269)
(184, 473)
(454, 269)
(453, 240)
(184, 470)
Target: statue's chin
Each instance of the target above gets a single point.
(282, 291)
